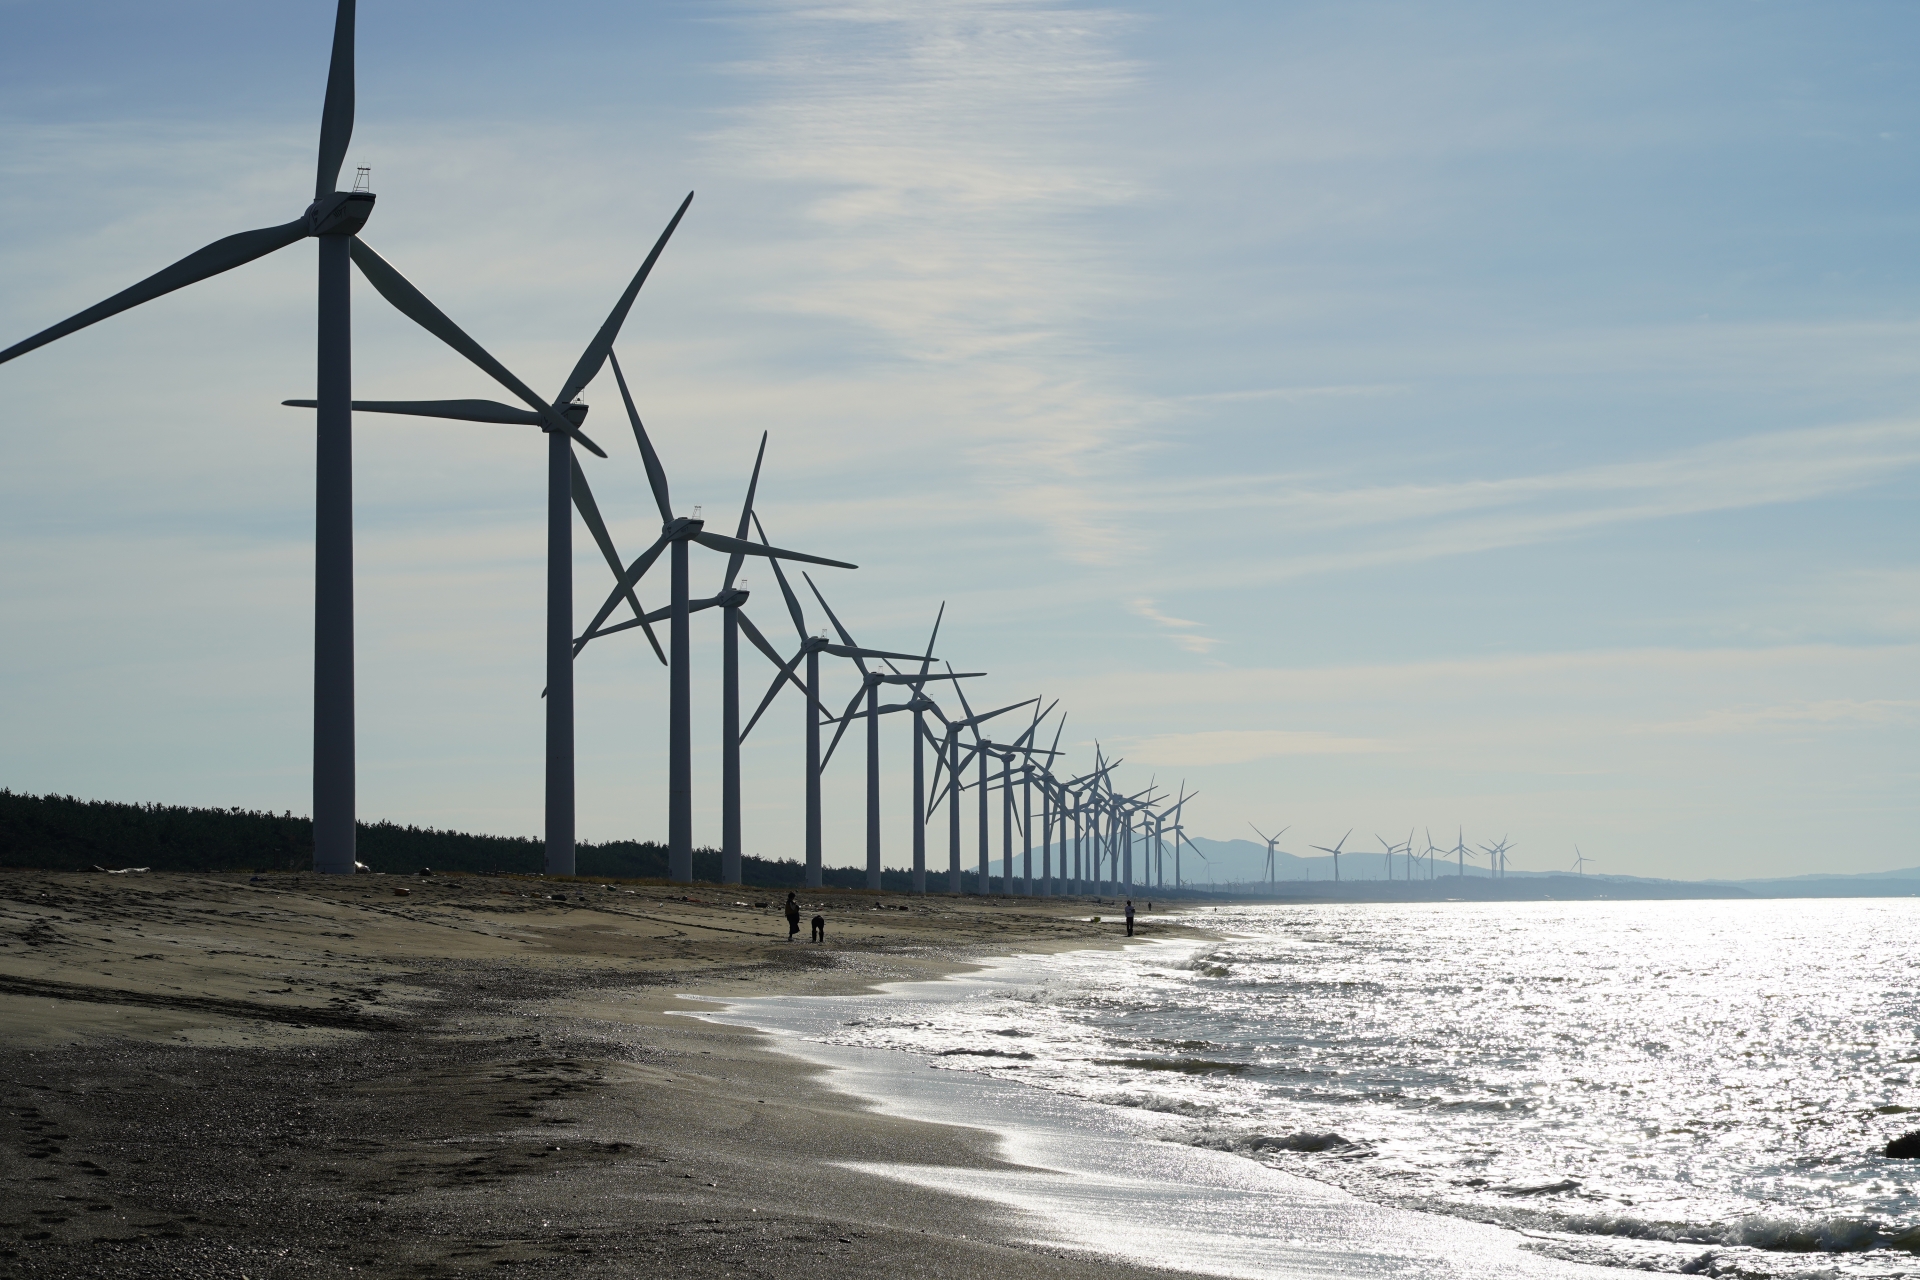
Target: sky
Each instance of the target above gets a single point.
(1488, 416)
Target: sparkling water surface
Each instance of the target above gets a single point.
(1700, 1085)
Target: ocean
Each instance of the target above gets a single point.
(1696, 1087)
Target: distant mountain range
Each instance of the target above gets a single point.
(1241, 865)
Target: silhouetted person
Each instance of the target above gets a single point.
(819, 929)
(1129, 917)
(793, 918)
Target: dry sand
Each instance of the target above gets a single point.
(291, 1075)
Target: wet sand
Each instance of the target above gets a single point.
(291, 1075)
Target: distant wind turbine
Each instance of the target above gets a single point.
(1176, 820)
(1391, 849)
(1271, 840)
(1335, 851)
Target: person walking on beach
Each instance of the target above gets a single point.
(819, 929)
(793, 918)
(1129, 917)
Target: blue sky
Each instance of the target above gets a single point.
(1375, 415)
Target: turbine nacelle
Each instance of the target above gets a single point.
(575, 413)
(342, 213)
(681, 529)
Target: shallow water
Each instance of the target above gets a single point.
(1703, 1084)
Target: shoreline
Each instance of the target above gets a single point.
(219, 1074)
(1125, 1181)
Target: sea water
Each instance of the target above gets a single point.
(1701, 1086)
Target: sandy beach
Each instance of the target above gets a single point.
(290, 1075)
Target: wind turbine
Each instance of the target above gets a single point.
(1271, 840)
(1335, 851)
(1092, 815)
(918, 703)
(1391, 850)
(1580, 861)
(677, 532)
(811, 647)
(1002, 752)
(1027, 752)
(1049, 786)
(334, 218)
(1053, 812)
(1079, 790)
(1105, 826)
(949, 761)
(731, 599)
(1102, 864)
(566, 488)
(1086, 792)
(1141, 808)
(1005, 752)
(950, 758)
(1177, 821)
(1180, 837)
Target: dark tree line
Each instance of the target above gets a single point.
(63, 833)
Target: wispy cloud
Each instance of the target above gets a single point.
(948, 161)
(1796, 717)
(1241, 746)
(1286, 394)
(1185, 631)
(1332, 528)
